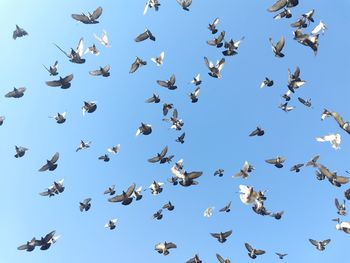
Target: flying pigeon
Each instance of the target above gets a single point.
(144, 129)
(163, 248)
(19, 32)
(103, 71)
(277, 49)
(53, 69)
(16, 93)
(85, 205)
(159, 60)
(226, 208)
(169, 84)
(103, 40)
(334, 140)
(151, 4)
(75, 56)
(184, 4)
(20, 151)
(136, 64)
(89, 107)
(145, 35)
(320, 245)
(90, 18)
(50, 164)
(215, 70)
(111, 224)
(222, 236)
(125, 197)
(64, 83)
(252, 252)
(212, 26)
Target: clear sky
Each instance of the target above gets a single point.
(216, 127)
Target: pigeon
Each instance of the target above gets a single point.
(226, 208)
(163, 248)
(218, 41)
(49, 239)
(196, 80)
(75, 56)
(277, 215)
(260, 209)
(313, 161)
(144, 129)
(219, 172)
(111, 224)
(278, 161)
(283, 3)
(333, 139)
(160, 156)
(64, 83)
(281, 255)
(300, 23)
(85, 205)
(307, 40)
(347, 194)
(222, 260)
(247, 194)
(194, 259)
(257, 132)
(294, 81)
(151, 4)
(2, 118)
(194, 95)
(307, 103)
(169, 84)
(60, 117)
(296, 167)
(343, 226)
(285, 13)
(20, 151)
(83, 145)
(184, 4)
(30, 245)
(125, 197)
(105, 158)
(215, 70)
(186, 178)
(320, 245)
(137, 194)
(103, 71)
(19, 32)
(110, 190)
(222, 236)
(136, 64)
(244, 172)
(158, 215)
(176, 123)
(212, 26)
(252, 252)
(16, 93)
(309, 16)
(231, 47)
(89, 107)
(156, 188)
(145, 35)
(103, 40)
(159, 60)
(277, 49)
(208, 212)
(285, 107)
(266, 82)
(320, 28)
(115, 149)
(333, 178)
(50, 165)
(181, 138)
(53, 69)
(51, 191)
(169, 206)
(90, 18)
(341, 208)
(93, 50)
(167, 107)
(154, 99)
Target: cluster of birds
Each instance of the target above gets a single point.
(179, 176)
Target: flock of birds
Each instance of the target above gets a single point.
(248, 195)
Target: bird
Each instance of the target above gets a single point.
(320, 28)
(320, 245)
(285, 13)
(52, 69)
(307, 102)
(196, 80)
(266, 82)
(341, 208)
(151, 4)
(184, 4)
(51, 164)
(208, 212)
(342, 124)
(194, 95)
(169, 206)
(212, 26)
(279, 4)
(163, 248)
(83, 145)
(60, 117)
(30, 245)
(347, 194)
(156, 188)
(20, 151)
(176, 122)
(218, 41)
(294, 80)
(136, 64)
(219, 172)
(166, 108)
(46, 242)
(181, 138)
(307, 40)
(114, 149)
(147, 34)
(125, 197)
(104, 157)
(281, 255)
(313, 161)
(285, 107)
(231, 47)
(110, 190)
(111, 224)
(159, 60)
(221, 259)
(333, 139)
(92, 50)
(90, 18)
(144, 129)
(343, 226)
(296, 167)
(252, 252)
(277, 49)
(336, 180)
(160, 157)
(278, 161)
(194, 259)
(257, 132)
(137, 194)
(247, 194)
(277, 215)
(19, 32)
(215, 70)
(89, 107)
(158, 215)
(169, 84)
(103, 71)
(75, 56)
(2, 118)
(103, 40)
(186, 178)
(85, 205)
(16, 93)
(222, 236)
(154, 99)
(226, 208)
(300, 23)
(64, 83)
(244, 171)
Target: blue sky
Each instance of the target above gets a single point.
(216, 127)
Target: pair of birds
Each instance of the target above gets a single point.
(54, 189)
(44, 242)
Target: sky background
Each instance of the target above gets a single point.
(216, 127)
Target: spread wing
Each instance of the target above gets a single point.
(97, 13)
(54, 83)
(95, 72)
(143, 36)
(130, 190)
(68, 78)
(278, 5)
(280, 44)
(314, 242)
(220, 258)
(248, 247)
(81, 18)
(194, 175)
(55, 157)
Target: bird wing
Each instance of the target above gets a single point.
(143, 36)
(280, 44)
(164, 152)
(134, 66)
(55, 157)
(220, 258)
(248, 247)
(54, 83)
(259, 252)
(95, 72)
(97, 13)
(68, 78)
(80, 47)
(314, 242)
(194, 175)
(130, 190)
(227, 233)
(325, 242)
(81, 18)
(278, 5)
(64, 52)
(146, 8)
(170, 245)
(271, 161)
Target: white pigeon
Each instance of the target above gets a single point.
(334, 139)
(247, 195)
(321, 27)
(208, 212)
(196, 80)
(104, 39)
(159, 60)
(156, 187)
(114, 149)
(343, 226)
